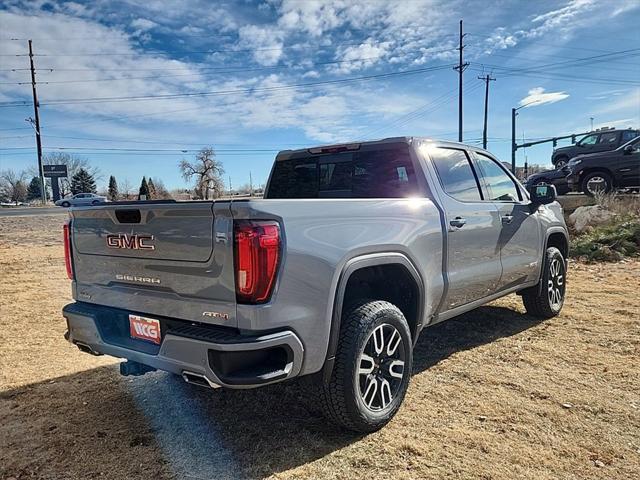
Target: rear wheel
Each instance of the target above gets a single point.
(66, 204)
(597, 182)
(372, 367)
(545, 300)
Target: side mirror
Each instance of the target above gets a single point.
(542, 194)
(628, 150)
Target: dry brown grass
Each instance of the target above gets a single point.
(495, 395)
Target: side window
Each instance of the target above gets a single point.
(608, 138)
(628, 135)
(499, 185)
(455, 173)
(589, 140)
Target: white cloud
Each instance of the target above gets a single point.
(142, 24)
(538, 96)
(361, 56)
(265, 41)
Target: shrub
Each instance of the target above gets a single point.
(608, 243)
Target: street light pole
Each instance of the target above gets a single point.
(514, 145)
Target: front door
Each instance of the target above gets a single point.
(472, 229)
(520, 232)
(627, 166)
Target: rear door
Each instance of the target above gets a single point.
(473, 229)
(519, 240)
(170, 259)
(606, 142)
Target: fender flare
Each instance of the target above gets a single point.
(352, 266)
(550, 231)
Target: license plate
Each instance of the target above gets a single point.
(144, 328)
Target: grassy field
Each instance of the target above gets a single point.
(496, 394)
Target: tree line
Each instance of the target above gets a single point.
(205, 172)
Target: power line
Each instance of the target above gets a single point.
(199, 73)
(76, 101)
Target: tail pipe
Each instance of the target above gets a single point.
(198, 379)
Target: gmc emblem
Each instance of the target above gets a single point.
(133, 242)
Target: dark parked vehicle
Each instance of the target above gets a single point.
(599, 141)
(606, 171)
(557, 178)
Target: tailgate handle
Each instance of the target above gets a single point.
(128, 215)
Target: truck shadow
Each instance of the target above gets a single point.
(182, 431)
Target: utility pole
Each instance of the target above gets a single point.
(513, 140)
(460, 68)
(250, 184)
(36, 107)
(230, 188)
(487, 78)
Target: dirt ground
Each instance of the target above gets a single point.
(495, 394)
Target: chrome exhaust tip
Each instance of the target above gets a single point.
(198, 379)
(86, 348)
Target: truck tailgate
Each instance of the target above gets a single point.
(165, 259)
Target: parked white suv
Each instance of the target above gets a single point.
(80, 199)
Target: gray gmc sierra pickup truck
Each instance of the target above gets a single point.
(354, 250)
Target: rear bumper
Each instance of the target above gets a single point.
(224, 357)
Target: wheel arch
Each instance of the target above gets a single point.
(557, 238)
(369, 266)
(554, 237)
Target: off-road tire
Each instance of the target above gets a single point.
(340, 397)
(604, 175)
(538, 299)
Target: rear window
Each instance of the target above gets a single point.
(382, 173)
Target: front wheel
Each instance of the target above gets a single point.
(545, 300)
(596, 182)
(561, 162)
(372, 367)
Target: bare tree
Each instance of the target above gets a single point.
(13, 186)
(125, 189)
(207, 173)
(161, 191)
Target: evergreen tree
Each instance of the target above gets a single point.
(144, 189)
(34, 190)
(113, 189)
(83, 182)
(152, 189)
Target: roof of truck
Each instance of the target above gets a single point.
(357, 145)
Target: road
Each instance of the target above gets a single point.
(22, 211)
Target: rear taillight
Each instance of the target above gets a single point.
(66, 232)
(257, 254)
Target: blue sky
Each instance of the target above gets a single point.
(136, 86)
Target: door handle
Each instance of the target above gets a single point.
(507, 219)
(458, 222)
